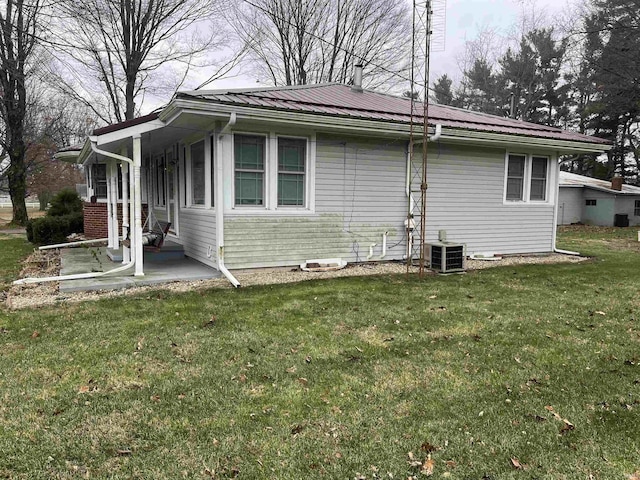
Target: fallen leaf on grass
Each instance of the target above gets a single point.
(517, 464)
(297, 429)
(139, 344)
(635, 476)
(291, 369)
(412, 460)
(428, 466)
(83, 389)
(303, 381)
(154, 398)
(427, 447)
(211, 322)
(123, 452)
(35, 334)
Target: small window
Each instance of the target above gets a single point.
(99, 180)
(197, 173)
(636, 209)
(515, 177)
(249, 153)
(591, 203)
(538, 179)
(160, 181)
(291, 171)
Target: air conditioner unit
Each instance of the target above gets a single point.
(446, 257)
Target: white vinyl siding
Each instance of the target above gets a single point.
(465, 198)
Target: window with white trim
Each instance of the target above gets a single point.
(198, 177)
(636, 209)
(249, 163)
(526, 178)
(273, 172)
(292, 159)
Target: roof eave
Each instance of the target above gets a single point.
(375, 127)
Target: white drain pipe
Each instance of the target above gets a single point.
(220, 203)
(80, 276)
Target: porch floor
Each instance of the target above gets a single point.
(156, 270)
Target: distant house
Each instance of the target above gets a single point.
(597, 202)
(276, 176)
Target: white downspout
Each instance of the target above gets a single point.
(371, 251)
(137, 162)
(137, 249)
(109, 206)
(114, 205)
(126, 252)
(220, 202)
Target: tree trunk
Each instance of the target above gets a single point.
(17, 183)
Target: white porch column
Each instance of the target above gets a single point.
(114, 204)
(126, 252)
(137, 162)
(109, 205)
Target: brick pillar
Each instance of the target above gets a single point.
(95, 219)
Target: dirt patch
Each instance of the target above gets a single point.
(47, 263)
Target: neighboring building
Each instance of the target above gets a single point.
(597, 202)
(276, 176)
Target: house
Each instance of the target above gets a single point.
(597, 202)
(272, 177)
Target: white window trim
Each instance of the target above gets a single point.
(270, 206)
(208, 165)
(526, 187)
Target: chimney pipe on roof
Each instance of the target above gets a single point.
(357, 78)
(616, 183)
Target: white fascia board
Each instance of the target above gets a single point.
(375, 127)
(506, 140)
(129, 132)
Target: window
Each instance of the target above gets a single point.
(249, 162)
(636, 209)
(291, 171)
(590, 203)
(197, 173)
(527, 178)
(99, 180)
(160, 185)
(515, 177)
(538, 178)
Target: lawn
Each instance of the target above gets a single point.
(528, 372)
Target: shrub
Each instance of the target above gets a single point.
(54, 229)
(65, 202)
(29, 227)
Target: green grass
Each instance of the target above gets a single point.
(13, 249)
(335, 379)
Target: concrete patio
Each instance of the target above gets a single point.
(158, 269)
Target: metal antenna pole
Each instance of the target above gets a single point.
(420, 49)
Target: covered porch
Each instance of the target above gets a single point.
(166, 266)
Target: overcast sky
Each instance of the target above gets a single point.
(464, 19)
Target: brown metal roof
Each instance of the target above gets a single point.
(341, 100)
(127, 123)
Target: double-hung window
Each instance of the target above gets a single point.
(636, 209)
(249, 169)
(291, 171)
(198, 177)
(527, 178)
